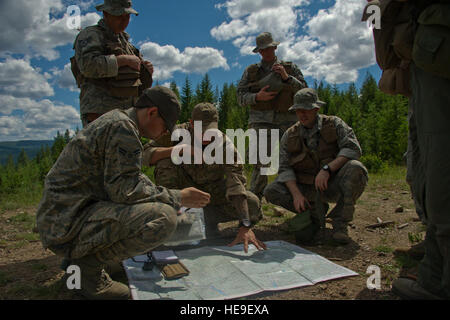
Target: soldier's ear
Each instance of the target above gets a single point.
(152, 112)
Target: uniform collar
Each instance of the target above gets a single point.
(102, 24)
(131, 113)
(317, 126)
(268, 64)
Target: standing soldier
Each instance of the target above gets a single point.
(268, 87)
(98, 208)
(109, 70)
(225, 182)
(319, 163)
(413, 48)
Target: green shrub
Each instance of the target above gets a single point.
(373, 163)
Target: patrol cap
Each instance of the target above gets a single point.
(116, 7)
(165, 100)
(306, 99)
(264, 40)
(206, 113)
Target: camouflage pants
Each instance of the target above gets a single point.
(431, 176)
(343, 189)
(258, 181)
(219, 209)
(116, 231)
(412, 152)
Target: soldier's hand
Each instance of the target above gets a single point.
(301, 203)
(194, 198)
(321, 181)
(246, 235)
(149, 66)
(278, 68)
(129, 60)
(264, 95)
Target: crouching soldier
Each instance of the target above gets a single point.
(318, 165)
(98, 208)
(224, 182)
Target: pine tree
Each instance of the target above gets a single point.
(187, 101)
(174, 88)
(23, 158)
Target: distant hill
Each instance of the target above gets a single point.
(31, 147)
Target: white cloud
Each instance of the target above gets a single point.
(40, 120)
(18, 78)
(30, 28)
(332, 45)
(22, 89)
(168, 59)
(65, 79)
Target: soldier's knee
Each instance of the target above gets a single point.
(163, 224)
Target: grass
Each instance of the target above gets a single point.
(25, 220)
(26, 196)
(384, 249)
(27, 236)
(414, 237)
(392, 177)
(404, 261)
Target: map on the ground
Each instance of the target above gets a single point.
(219, 273)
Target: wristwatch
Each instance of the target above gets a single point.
(245, 223)
(326, 168)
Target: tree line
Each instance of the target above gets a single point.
(378, 120)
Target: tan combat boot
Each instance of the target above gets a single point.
(340, 234)
(96, 283)
(416, 251)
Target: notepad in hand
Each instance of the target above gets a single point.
(164, 257)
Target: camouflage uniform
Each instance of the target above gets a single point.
(344, 187)
(269, 119)
(96, 199)
(224, 182)
(430, 162)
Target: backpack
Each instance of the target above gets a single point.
(431, 51)
(393, 44)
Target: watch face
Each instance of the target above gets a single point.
(246, 223)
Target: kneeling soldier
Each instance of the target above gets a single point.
(225, 182)
(318, 165)
(98, 208)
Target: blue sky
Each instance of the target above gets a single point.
(325, 38)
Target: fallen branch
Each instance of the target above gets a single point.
(403, 226)
(380, 225)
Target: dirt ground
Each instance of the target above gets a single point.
(27, 271)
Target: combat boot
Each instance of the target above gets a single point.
(416, 252)
(340, 234)
(409, 289)
(111, 267)
(96, 283)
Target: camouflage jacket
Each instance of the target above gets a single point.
(246, 98)
(347, 142)
(101, 163)
(90, 54)
(207, 174)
